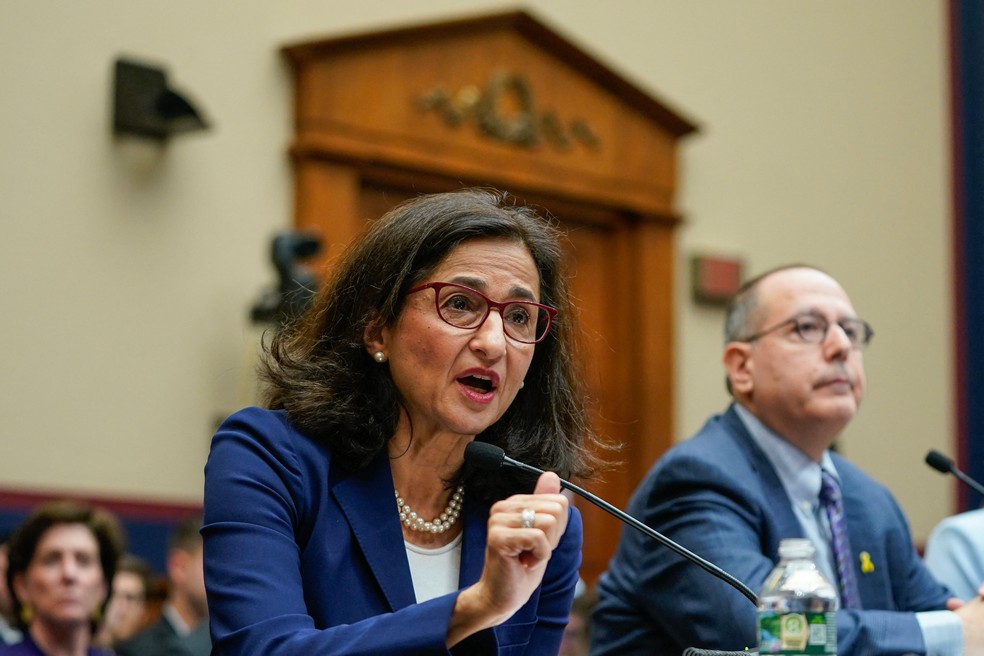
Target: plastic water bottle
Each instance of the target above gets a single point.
(797, 609)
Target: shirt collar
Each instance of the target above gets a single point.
(174, 617)
(799, 474)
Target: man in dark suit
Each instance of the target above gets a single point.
(182, 629)
(754, 475)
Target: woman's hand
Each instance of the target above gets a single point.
(516, 557)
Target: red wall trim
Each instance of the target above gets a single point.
(124, 508)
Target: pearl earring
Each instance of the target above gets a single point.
(379, 357)
(522, 384)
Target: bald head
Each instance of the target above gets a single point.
(792, 355)
(743, 317)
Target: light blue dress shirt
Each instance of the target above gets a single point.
(955, 553)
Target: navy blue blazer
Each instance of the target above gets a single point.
(303, 557)
(718, 495)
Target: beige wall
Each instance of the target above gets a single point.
(126, 272)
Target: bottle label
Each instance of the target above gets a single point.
(797, 634)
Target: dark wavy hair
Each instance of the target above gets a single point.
(24, 542)
(318, 371)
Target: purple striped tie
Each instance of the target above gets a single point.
(830, 498)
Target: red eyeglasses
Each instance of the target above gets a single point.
(464, 307)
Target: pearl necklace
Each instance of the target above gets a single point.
(437, 525)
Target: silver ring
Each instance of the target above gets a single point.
(527, 517)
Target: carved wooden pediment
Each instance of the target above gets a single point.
(502, 99)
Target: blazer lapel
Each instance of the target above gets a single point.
(366, 498)
(473, 542)
(781, 512)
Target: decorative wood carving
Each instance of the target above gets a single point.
(527, 126)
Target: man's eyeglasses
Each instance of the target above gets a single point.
(464, 307)
(812, 328)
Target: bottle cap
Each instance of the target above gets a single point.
(796, 548)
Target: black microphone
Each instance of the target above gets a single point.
(945, 465)
(490, 457)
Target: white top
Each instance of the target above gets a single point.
(434, 571)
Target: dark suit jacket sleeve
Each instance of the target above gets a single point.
(654, 601)
(715, 498)
(955, 553)
(286, 572)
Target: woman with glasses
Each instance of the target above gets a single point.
(343, 518)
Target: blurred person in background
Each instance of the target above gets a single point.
(127, 612)
(62, 560)
(182, 629)
(9, 634)
(955, 553)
